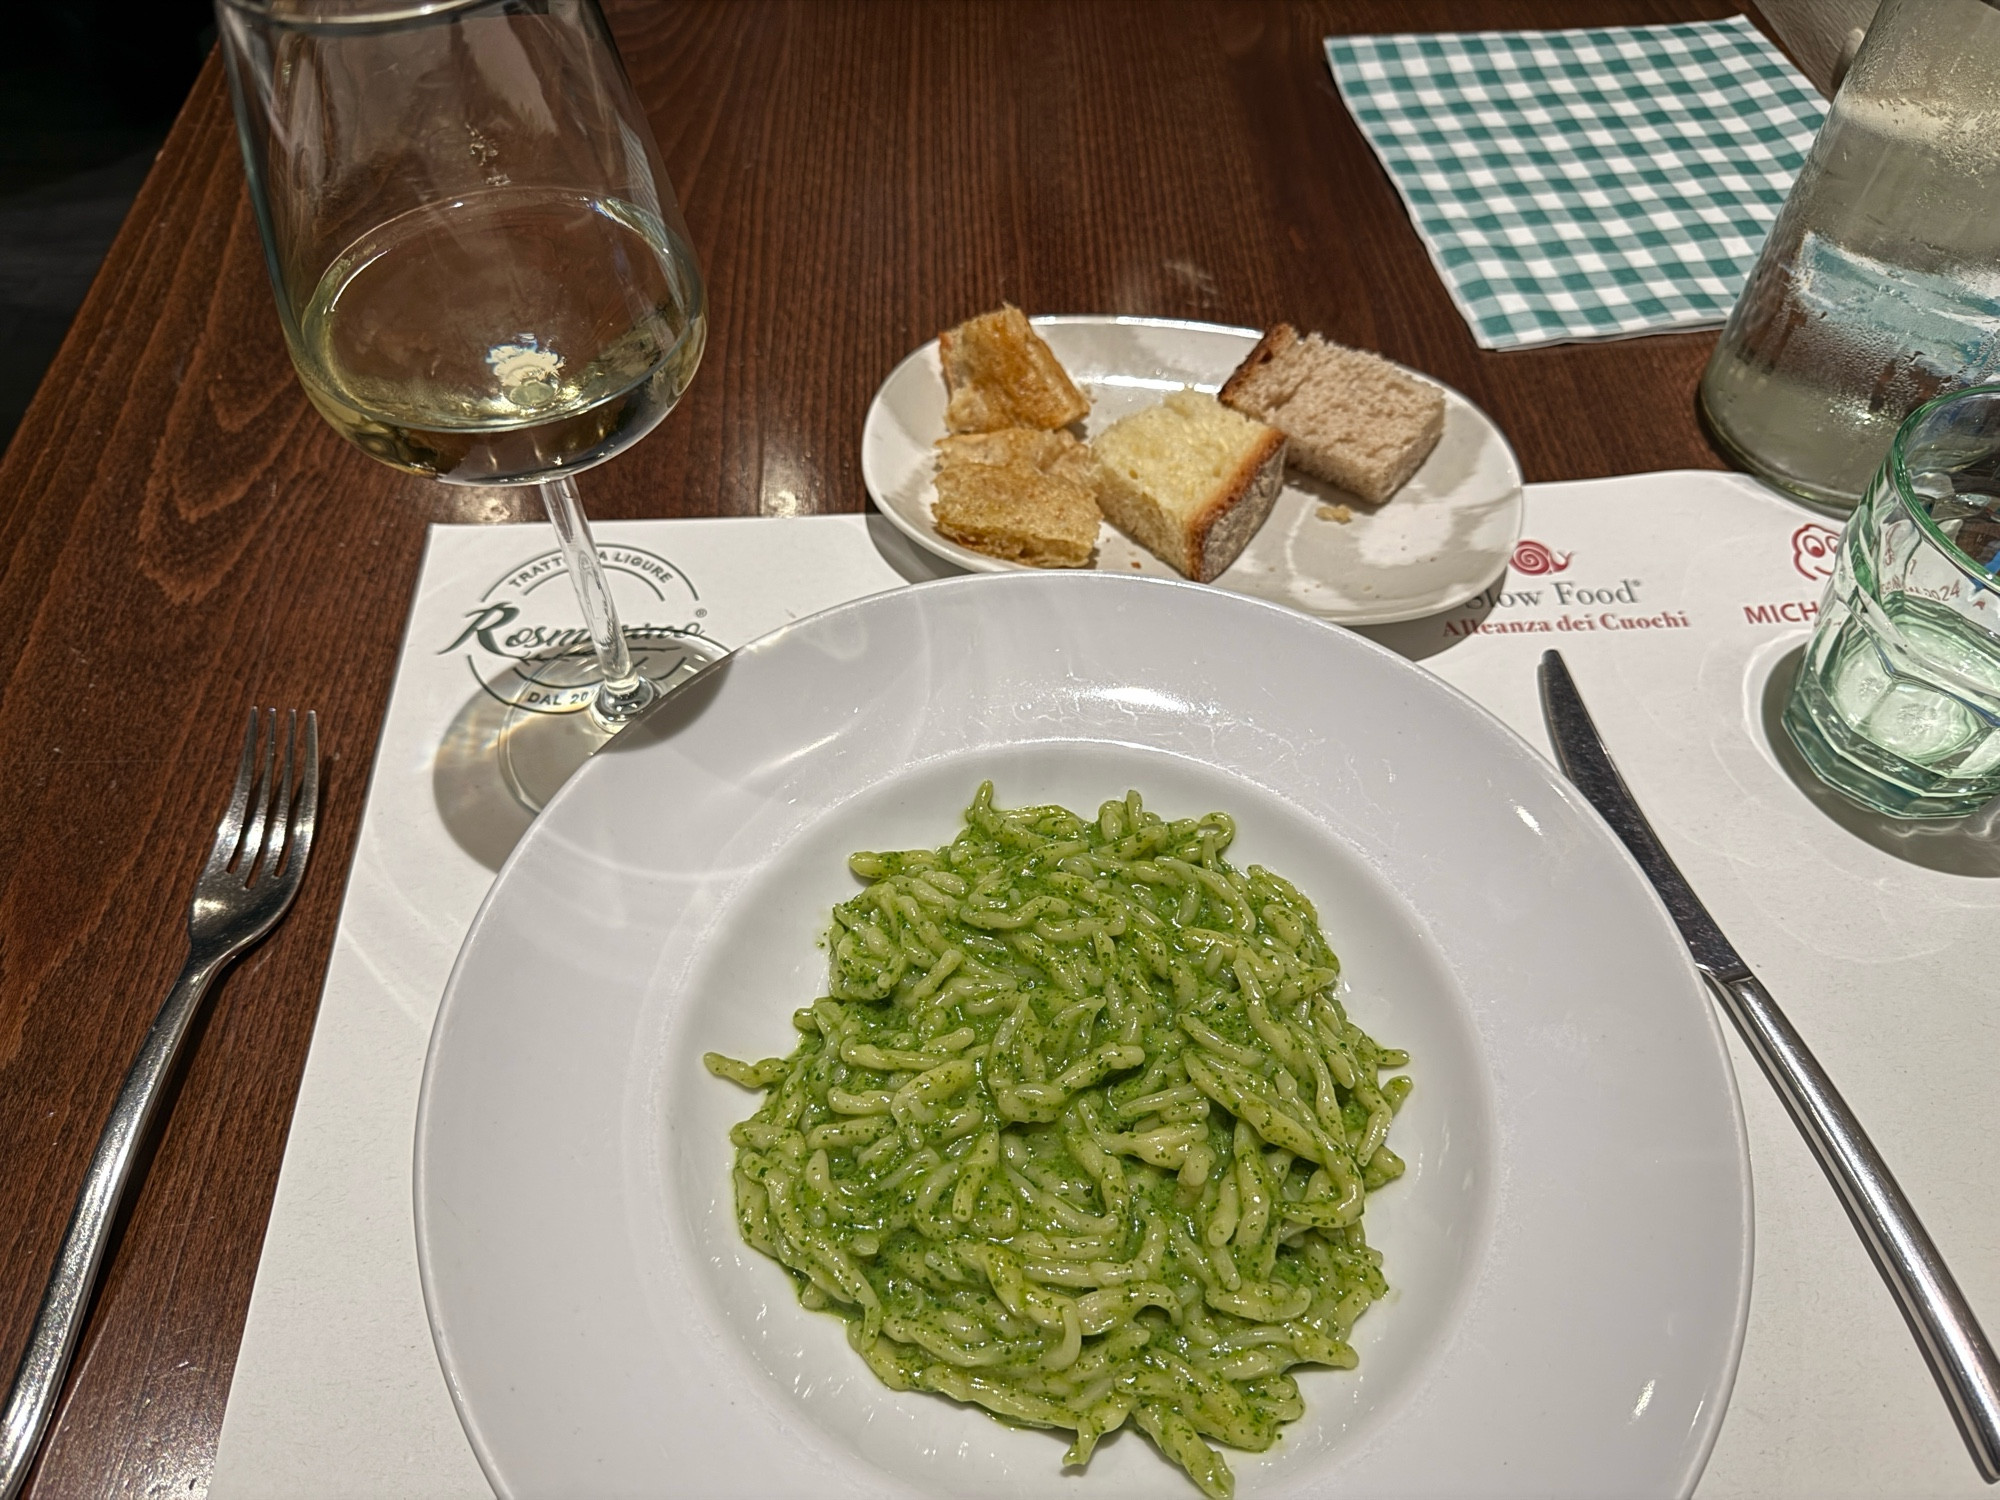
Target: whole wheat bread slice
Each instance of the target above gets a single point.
(1352, 418)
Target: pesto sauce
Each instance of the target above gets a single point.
(1080, 1132)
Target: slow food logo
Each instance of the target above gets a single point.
(1535, 604)
(525, 645)
(1534, 558)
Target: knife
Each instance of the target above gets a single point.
(1953, 1344)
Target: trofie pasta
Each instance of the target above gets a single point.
(1080, 1132)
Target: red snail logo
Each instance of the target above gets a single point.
(1813, 547)
(1534, 559)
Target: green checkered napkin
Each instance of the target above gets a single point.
(1585, 184)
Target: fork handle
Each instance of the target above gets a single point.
(31, 1402)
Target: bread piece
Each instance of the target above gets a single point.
(1022, 494)
(1000, 374)
(1353, 419)
(1190, 480)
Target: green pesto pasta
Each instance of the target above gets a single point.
(1080, 1132)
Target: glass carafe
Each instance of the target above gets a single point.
(1879, 287)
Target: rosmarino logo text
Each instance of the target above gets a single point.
(525, 646)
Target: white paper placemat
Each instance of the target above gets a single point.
(1675, 597)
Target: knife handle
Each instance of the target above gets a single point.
(1953, 1344)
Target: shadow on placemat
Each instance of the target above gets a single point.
(905, 556)
(1954, 846)
(492, 755)
(477, 806)
(1430, 635)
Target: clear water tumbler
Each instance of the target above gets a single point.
(1897, 702)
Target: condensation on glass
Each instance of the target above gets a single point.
(1879, 287)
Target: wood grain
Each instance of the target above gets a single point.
(183, 538)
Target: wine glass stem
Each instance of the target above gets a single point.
(623, 692)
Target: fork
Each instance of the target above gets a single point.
(252, 873)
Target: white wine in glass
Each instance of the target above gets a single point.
(480, 267)
(504, 336)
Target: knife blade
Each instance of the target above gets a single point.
(1956, 1348)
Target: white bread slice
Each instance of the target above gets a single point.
(1353, 419)
(1000, 374)
(1021, 494)
(1190, 480)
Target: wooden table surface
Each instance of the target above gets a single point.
(183, 537)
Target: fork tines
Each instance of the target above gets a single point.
(281, 808)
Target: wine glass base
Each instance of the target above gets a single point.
(612, 711)
(535, 753)
(546, 734)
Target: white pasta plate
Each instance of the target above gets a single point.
(1436, 543)
(1569, 1250)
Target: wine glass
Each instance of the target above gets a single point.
(480, 267)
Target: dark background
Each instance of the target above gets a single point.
(87, 91)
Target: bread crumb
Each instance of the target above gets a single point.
(1340, 513)
(1136, 563)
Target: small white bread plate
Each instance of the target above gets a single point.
(1569, 1251)
(1442, 538)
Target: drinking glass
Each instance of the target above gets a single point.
(1897, 702)
(480, 268)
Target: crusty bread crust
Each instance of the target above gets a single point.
(1217, 534)
(1276, 340)
(1224, 527)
